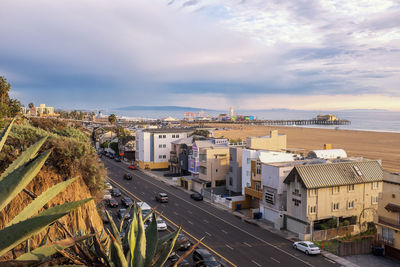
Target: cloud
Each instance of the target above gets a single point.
(88, 53)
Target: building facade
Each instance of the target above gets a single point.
(234, 176)
(214, 165)
(387, 218)
(274, 141)
(153, 146)
(345, 192)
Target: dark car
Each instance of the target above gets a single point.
(162, 197)
(183, 241)
(117, 159)
(196, 196)
(184, 263)
(126, 201)
(128, 176)
(122, 212)
(115, 192)
(202, 257)
(112, 203)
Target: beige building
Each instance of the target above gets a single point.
(322, 194)
(214, 164)
(274, 141)
(387, 218)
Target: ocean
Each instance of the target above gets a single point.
(366, 120)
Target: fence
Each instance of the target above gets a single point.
(356, 247)
(335, 232)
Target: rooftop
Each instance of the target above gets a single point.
(335, 174)
(169, 130)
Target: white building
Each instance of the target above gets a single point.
(153, 146)
(265, 157)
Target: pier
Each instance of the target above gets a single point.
(279, 122)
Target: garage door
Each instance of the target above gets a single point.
(295, 226)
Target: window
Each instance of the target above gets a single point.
(335, 189)
(160, 156)
(258, 186)
(258, 167)
(248, 160)
(297, 202)
(230, 181)
(313, 192)
(177, 136)
(230, 157)
(164, 156)
(216, 170)
(335, 206)
(269, 197)
(164, 145)
(350, 204)
(313, 209)
(203, 170)
(160, 146)
(374, 199)
(375, 185)
(164, 136)
(160, 136)
(173, 136)
(350, 187)
(230, 168)
(247, 173)
(297, 193)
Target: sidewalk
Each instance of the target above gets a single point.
(243, 215)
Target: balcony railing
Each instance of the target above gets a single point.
(389, 222)
(385, 240)
(252, 192)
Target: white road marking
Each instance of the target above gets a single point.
(190, 222)
(207, 233)
(229, 246)
(176, 204)
(256, 263)
(275, 260)
(205, 221)
(175, 213)
(247, 244)
(190, 212)
(225, 232)
(212, 214)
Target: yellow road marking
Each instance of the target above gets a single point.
(186, 232)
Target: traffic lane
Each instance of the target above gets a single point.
(279, 242)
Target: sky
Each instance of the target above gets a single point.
(251, 54)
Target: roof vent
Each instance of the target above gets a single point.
(357, 170)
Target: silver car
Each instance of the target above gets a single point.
(307, 247)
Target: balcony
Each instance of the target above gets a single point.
(389, 222)
(385, 240)
(252, 192)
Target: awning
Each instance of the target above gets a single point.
(392, 207)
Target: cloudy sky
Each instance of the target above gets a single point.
(252, 54)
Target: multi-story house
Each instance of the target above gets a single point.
(213, 165)
(345, 192)
(234, 176)
(387, 218)
(273, 141)
(179, 155)
(153, 146)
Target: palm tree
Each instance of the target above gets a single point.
(31, 105)
(112, 118)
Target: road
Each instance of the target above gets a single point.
(238, 243)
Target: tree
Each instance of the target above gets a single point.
(31, 105)
(4, 89)
(14, 107)
(112, 118)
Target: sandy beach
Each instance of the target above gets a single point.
(371, 145)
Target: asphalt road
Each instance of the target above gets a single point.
(236, 242)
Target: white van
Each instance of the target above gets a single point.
(144, 207)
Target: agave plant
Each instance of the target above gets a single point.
(27, 223)
(142, 247)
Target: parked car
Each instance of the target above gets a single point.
(115, 192)
(202, 257)
(196, 196)
(161, 225)
(126, 201)
(183, 241)
(117, 159)
(128, 176)
(112, 203)
(122, 212)
(162, 197)
(307, 247)
(132, 167)
(107, 194)
(184, 263)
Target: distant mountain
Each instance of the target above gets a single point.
(164, 108)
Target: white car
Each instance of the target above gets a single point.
(108, 186)
(161, 225)
(307, 247)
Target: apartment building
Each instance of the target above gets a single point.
(234, 176)
(346, 192)
(387, 218)
(214, 165)
(153, 146)
(179, 155)
(274, 141)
